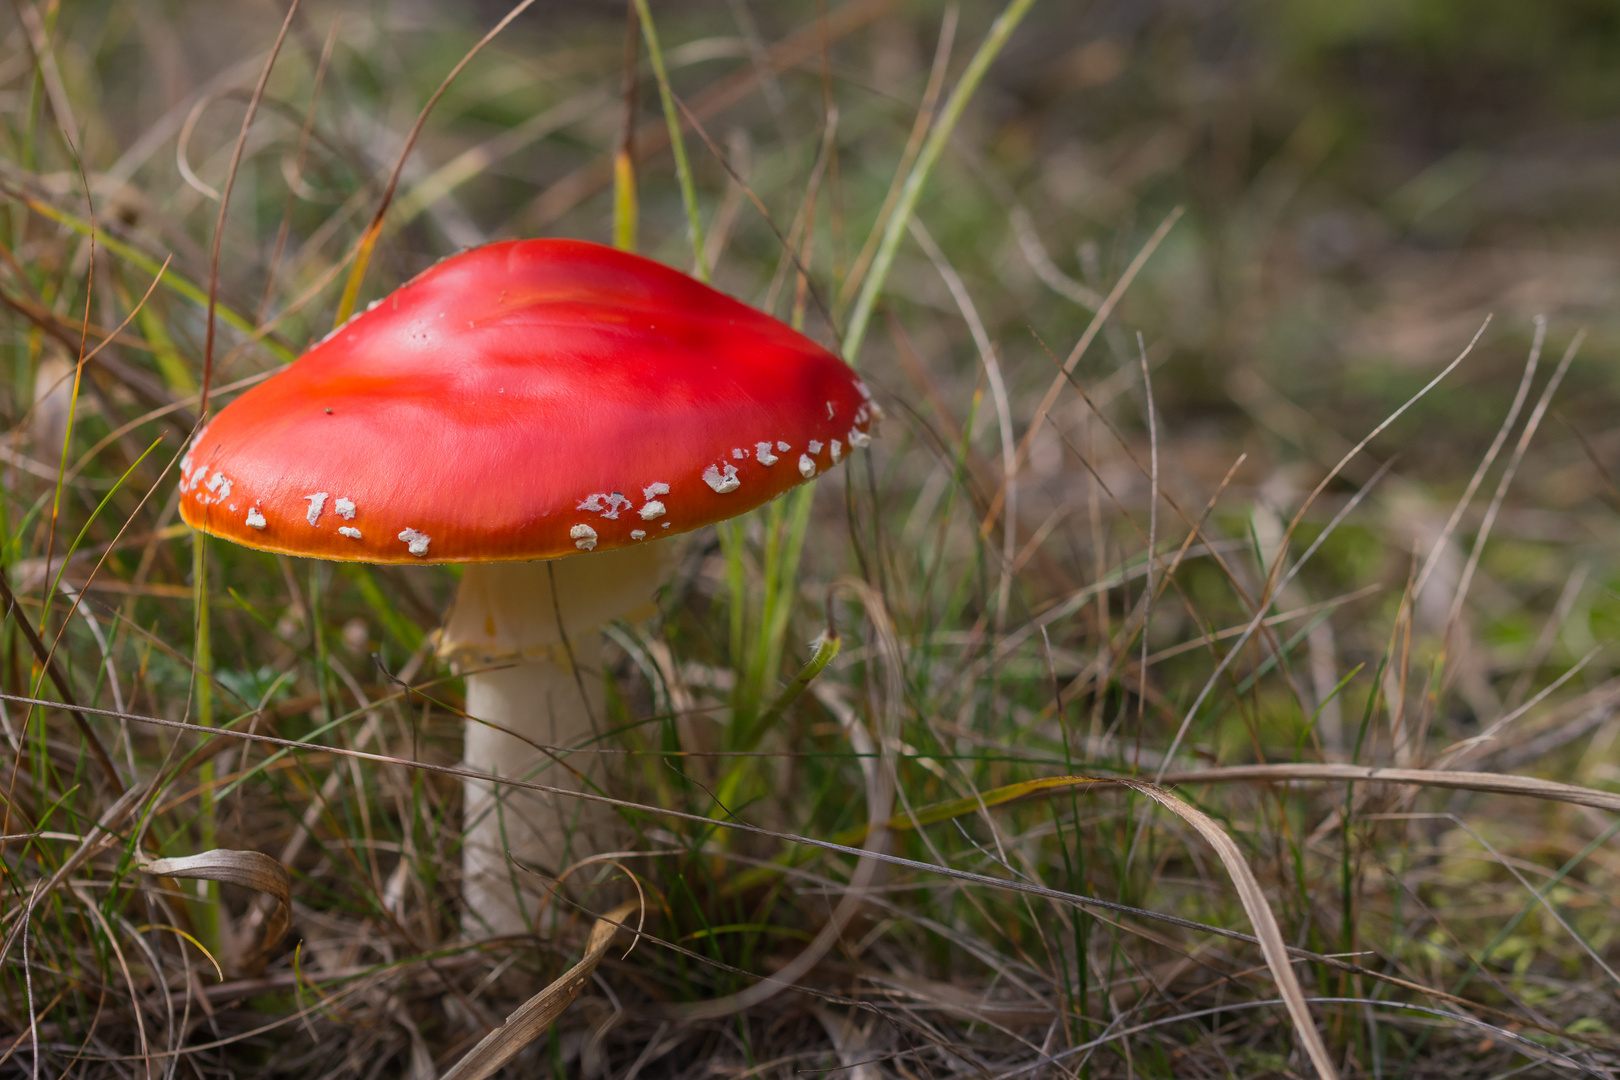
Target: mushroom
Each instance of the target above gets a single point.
(526, 401)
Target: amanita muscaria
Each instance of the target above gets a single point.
(526, 401)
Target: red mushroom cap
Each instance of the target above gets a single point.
(524, 400)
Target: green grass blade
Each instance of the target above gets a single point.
(826, 648)
(965, 87)
(677, 144)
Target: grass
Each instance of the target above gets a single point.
(1202, 626)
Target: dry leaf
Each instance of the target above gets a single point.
(250, 869)
(531, 1019)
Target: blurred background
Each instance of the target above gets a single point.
(1294, 214)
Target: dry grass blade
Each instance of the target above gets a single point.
(99, 752)
(1498, 783)
(1277, 579)
(1531, 425)
(1272, 585)
(1098, 321)
(919, 131)
(1260, 916)
(1485, 463)
(531, 1019)
(50, 75)
(653, 137)
(224, 207)
(933, 147)
(368, 240)
(250, 869)
(1501, 783)
(103, 835)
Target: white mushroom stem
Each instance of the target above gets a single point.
(505, 634)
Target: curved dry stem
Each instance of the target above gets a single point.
(531, 1019)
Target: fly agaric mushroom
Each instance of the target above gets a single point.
(526, 401)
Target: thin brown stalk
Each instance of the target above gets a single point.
(224, 206)
(368, 239)
(297, 169)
